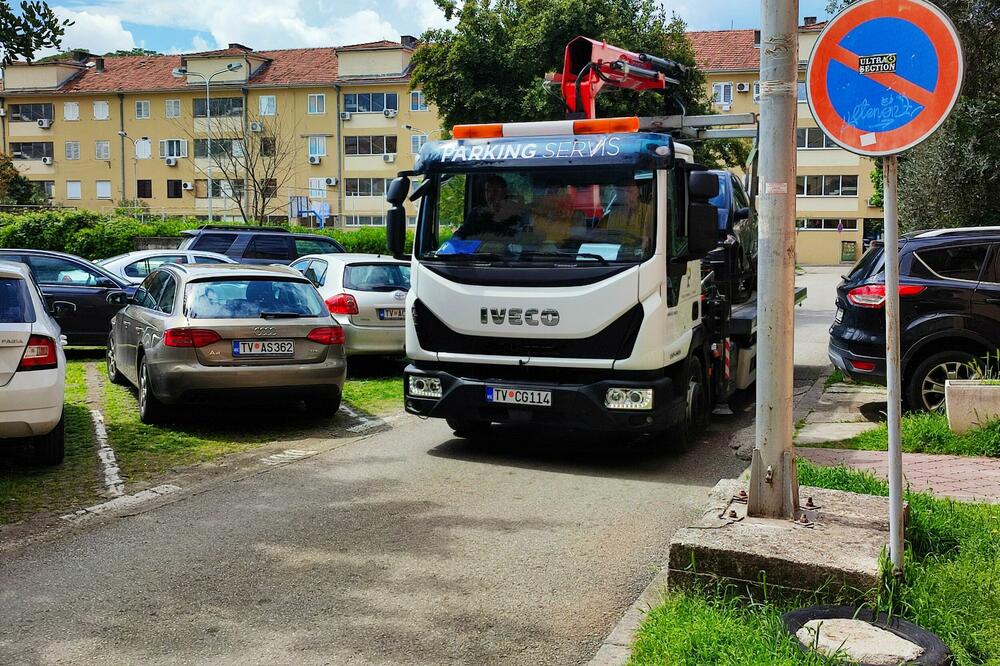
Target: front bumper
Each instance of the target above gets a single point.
(576, 406)
(845, 360)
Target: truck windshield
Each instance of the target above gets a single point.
(545, 216)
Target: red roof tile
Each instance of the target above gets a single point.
(722, 50)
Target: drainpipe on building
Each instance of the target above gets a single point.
(3, 125)
(340, 165)
(121, 139)
(246, 162)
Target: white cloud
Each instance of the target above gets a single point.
(98, 32)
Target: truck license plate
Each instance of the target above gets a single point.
(518, 396)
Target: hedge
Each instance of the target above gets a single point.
(94, 236)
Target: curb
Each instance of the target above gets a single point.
(617, 647)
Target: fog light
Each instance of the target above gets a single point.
(424, 387)
(629, 398)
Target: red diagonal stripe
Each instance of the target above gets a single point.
(891, 81)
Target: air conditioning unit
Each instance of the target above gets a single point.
(743, 87)
(17, 154)
(331, 182)
(390, 113)
(46, 160)
(3, 112)
(256, 127)
(170, 161)
(345, 115)
(389, 157)
(315, 159)
(187, 185)
(45, 123)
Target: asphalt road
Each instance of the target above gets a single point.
(407, 546)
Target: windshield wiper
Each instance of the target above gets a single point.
(564, 255)
(280, 315)
(478, 256)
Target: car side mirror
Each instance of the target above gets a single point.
(119, 298)
(395, 230)
(61, 308)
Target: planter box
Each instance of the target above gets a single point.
(971, 403)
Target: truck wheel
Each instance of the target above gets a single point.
(696, 399)
(50, 448)
(469, 428)
(924, 389)
(151, 410)
(743, 399)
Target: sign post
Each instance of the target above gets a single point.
(883, 76)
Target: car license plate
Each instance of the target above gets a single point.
(263, 347)
(839, 317)
(518, 396)
(388, 314)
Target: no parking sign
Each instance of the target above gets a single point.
(884, 75)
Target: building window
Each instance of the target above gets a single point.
(848, 186)
(142, 109)
(102, 150)
(175, 189)
(173, 148)
(365, 220)
(222, 107)
(756, 91)
(220, 148)
(72, 189)
(101, 110)
(801, 92)
(317, 103)
(103, 188)
(143, 148)
(825, 224)
(369, 145)
(201, 188)
(72, 150)
(268, 146)
(722, 94)
(269, 189)
(417, 101)
(267, 105)
(365, 187)
(71, 110)
(317, 146)
(144, 189)
(317, 188)
(172, 108)
(417, 142)
(371, 102)
(30, 112)
(813, 137)
(47, 187)
(30, 150)
(826, 186)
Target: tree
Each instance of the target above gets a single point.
(131, 52)
(34, 28)
(491, 66)
(15, 189)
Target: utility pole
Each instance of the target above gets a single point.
(892, 361)
(774, 487)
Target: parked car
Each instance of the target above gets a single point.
(204, 332)
(135, 266)
(257, 245)
(949, 311)
(32, 366)
(86, 294)
(366, 294)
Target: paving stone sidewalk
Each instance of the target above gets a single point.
(842, 412)
(964, 478)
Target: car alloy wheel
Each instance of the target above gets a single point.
(932, 385)
(112, 364)
(143, 387)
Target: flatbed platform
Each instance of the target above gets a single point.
(744, 317)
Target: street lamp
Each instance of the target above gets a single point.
(135, 159)
(181, 72)
(417, 130)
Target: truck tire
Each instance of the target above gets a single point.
(151, 410)
(469, 428)
(742, 399)
(697, 399)
(50, 448)
(924, 389)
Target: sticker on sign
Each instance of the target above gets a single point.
(884, 62)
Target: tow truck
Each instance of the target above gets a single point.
(574, 273)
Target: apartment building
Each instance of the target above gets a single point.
(833, 186)
(306, 134)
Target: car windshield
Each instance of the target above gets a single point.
(377, 277)
(251, 299)
(15, 302)
(563, 216)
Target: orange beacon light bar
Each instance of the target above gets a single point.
(546, 128)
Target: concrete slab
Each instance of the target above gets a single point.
(844, 413)
(857, 641)
(818, 433)
(837, 554)
(857, 389)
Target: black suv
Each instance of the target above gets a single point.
(950, 311)
(257, 245)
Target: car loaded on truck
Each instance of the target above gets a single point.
(584, 273)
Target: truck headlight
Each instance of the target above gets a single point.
(424, 387)
(629, 398)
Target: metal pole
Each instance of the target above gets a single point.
(774, 487)
(208, 115)
(892, 366)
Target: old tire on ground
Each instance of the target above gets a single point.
(50, 448)
(469, 428)
(151, 410)
(325, 404)
(697, 399)
(924, 389)
(111, 361)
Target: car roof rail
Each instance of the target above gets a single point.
(244, 227)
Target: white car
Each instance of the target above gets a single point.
(32, 366)
(366, 294)
(135, 266)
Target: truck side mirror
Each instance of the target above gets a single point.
(703, 217)
(397, 190)
(395, 230)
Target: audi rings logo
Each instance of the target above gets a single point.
(264, 331)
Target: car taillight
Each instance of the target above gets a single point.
(40, 354)
(190, 337)
(873, 295)
(327, 335)
(862, 366)
(343, 304)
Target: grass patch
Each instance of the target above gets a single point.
(952, 588)
(928, 432)
(26, 489)
(374, 395)
(835, 377)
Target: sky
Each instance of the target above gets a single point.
(169, 26)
